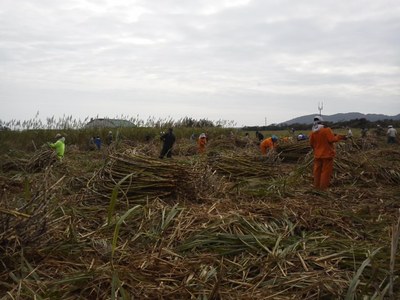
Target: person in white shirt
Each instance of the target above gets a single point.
(391, 134)
(349, 132)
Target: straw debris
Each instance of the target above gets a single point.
(125, 224)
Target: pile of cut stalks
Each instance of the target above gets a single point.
(229, 224)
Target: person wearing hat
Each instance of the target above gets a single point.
(59, 146)
(168, 139)
(201, 143)
(268, 144)
(322, 141)
(391, 134)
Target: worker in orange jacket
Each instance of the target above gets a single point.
(201, 143)
(268, 144)
(322, 141)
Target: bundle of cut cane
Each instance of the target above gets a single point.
(8, 164)
(150, 148)
(185, 148)
(41, 159)
(292, 152)
(376, 166)
(227, 143)
(239, 166)
(25, 223)
(136, 177)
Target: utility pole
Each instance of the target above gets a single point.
(320, 107)
(265, 121)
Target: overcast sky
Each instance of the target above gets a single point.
(247, 61)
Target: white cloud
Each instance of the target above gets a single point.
(234, 60)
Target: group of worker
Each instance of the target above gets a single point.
(168, 140)
(321, 139)
(94, 143)
(391, 133)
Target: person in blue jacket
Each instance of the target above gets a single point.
(97, 142)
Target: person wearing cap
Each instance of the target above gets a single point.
(322, 141)
(268, 144)
(59, 146)
(391, 135)
(168, 139)
(201, 143)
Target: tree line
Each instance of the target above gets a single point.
(354, 123)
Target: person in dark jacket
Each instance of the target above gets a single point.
(168, 139)
(259, 136)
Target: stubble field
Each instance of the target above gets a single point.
(120, 223)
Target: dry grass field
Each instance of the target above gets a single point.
(120, 223)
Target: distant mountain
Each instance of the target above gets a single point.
(342, 117)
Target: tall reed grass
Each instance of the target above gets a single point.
(29, 135)
(69, 122)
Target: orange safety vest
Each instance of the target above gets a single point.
(201, 142)
(267, 144)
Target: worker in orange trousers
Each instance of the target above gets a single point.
(322, 141)
(201, 143)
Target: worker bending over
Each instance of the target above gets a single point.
(268, 144)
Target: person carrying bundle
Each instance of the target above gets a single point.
(322, 141)
(268, 144)
(59, 146)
